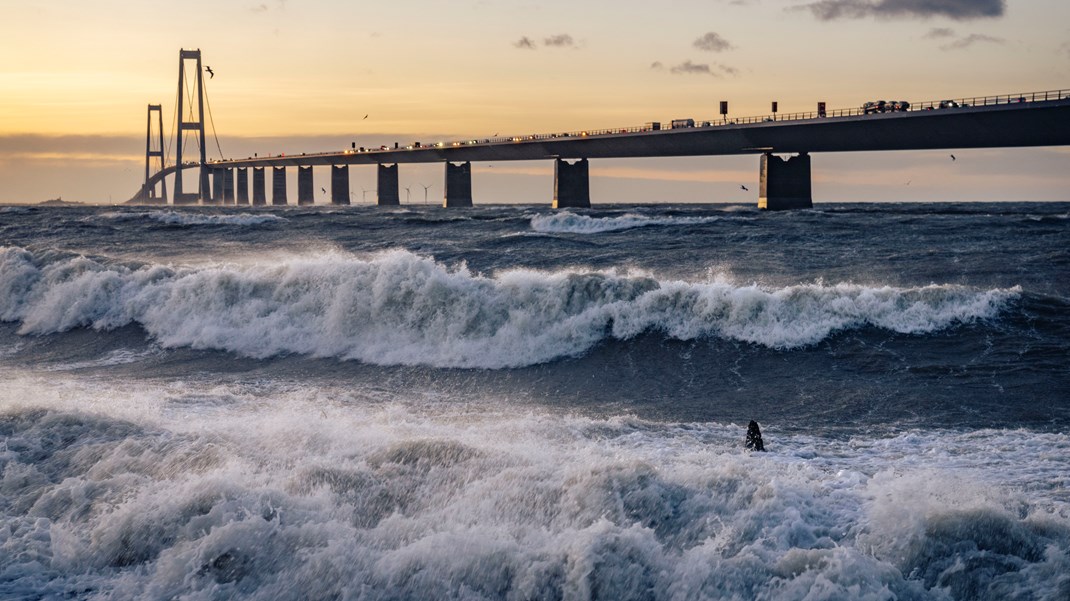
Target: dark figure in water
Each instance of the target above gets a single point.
(754, 437)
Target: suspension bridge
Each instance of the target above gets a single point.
(1003, 121)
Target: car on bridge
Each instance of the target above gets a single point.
(885, 106)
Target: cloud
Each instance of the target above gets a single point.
(712, 42)
(939, 33)
(689, 68)
(561, 40)
(972, 39)
(827, 10)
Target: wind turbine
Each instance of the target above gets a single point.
(408, 193)
(364, 194)
(426, 188)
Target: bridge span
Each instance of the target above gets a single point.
(1017, 120)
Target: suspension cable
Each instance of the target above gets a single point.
(174, 120)
(211, 120)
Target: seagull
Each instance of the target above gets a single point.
(744, 188)
(211, 73)
(324, 190)
(365, 117)
(953, 157)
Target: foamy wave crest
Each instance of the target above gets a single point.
(179, 218)
(570, 223)
(397, 308)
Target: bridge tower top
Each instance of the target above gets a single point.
(191, 118)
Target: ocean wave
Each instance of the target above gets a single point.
(183, 219)
(398, 308)
(394, 504)
(571, 223)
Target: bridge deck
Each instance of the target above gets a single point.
(1042, 123)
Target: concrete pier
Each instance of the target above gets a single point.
(243, 186)
(458, 185)
(340, 184)
(306, 191)
(217, 188)
(388, 185)
(572, 184)
(278, 186)
(785, 184)
(228, 186)
(259, 187)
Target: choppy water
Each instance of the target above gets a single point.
(515, 403)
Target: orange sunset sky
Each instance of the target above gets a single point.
(298, 76)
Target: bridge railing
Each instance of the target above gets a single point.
(798, 116)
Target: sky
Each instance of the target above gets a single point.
(300, 75)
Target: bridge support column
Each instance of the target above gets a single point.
(572, 184)
(259, 187)
(243, 186)
(228, 186)
(306, 193)
(205, 185)
(278, 186)
(388, 185)
(340, 184)
(785, 183)
(458, 185)
(217, 187)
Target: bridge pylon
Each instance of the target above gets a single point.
(154, 150)
(193, 122)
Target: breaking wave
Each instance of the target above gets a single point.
(180, 218)
(369, 504)
(570, 223)
(398, 308)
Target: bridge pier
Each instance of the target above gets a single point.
(259, 187)
(217, 187)
(572, 184)
(306, 193)
(243, 186)
(785, 183)
(388, 185)
(458, 185)
(340, 184)
(278, 186)
(228, 186)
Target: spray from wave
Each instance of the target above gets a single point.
(571, 223)
(397, 308)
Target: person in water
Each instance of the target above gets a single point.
(754, 437)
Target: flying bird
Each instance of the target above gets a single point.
(324, 190)
(953, 157)
(365, 117)
(211, 73)
(744, 188)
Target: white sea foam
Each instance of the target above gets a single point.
(181, 218)
(129, 491)
(571, 223)
(397, 308)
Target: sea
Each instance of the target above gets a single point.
(517, 403)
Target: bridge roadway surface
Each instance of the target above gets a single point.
(1014, 124)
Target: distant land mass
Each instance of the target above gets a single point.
(58, 202)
